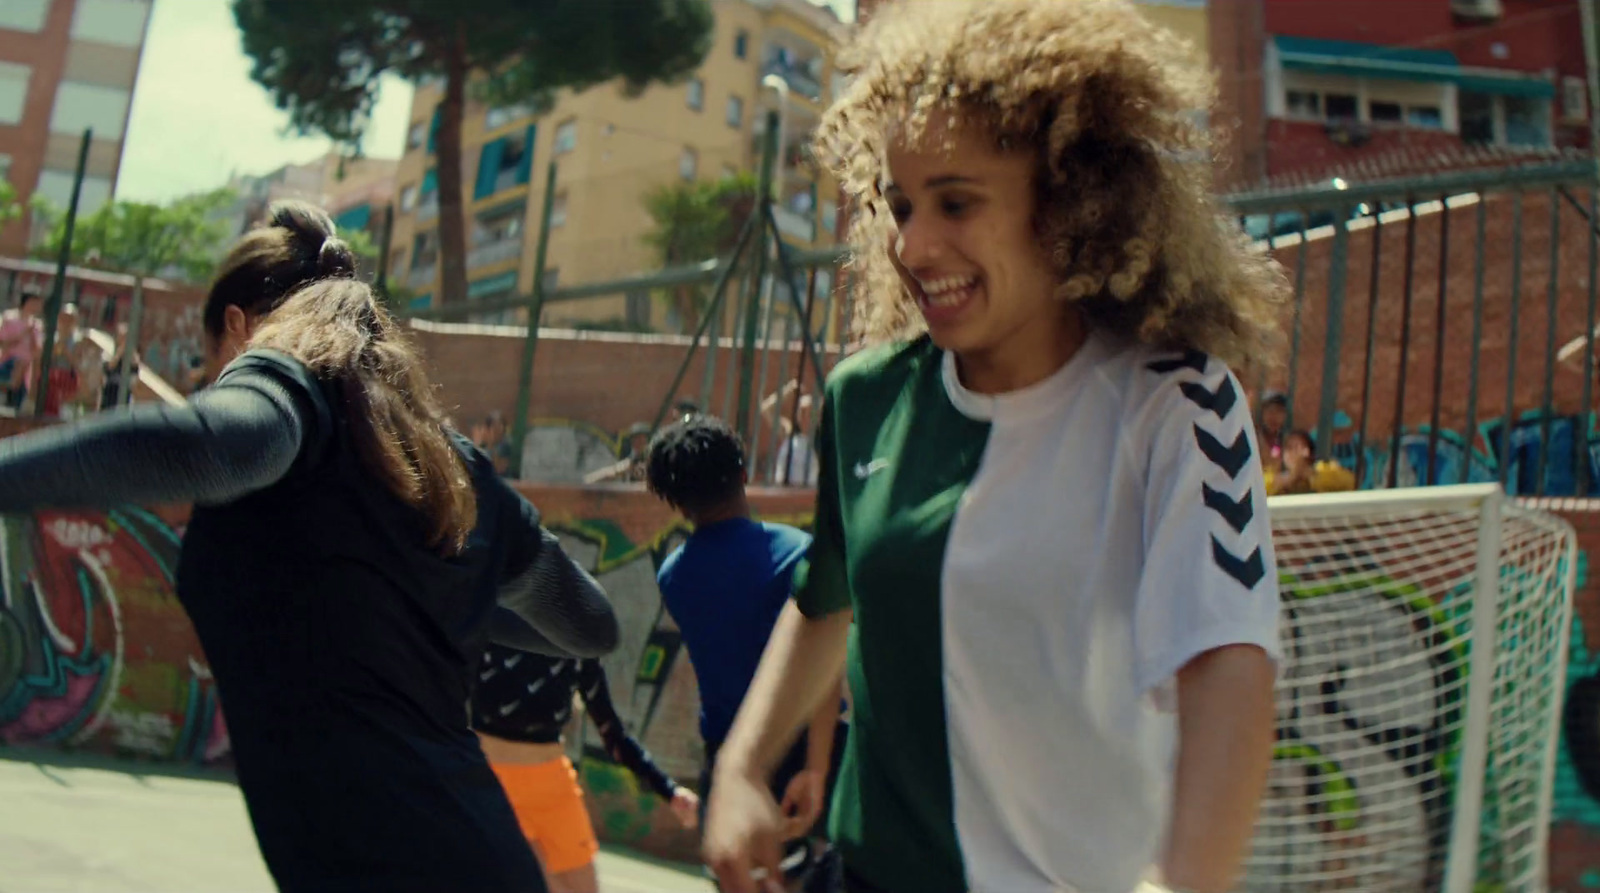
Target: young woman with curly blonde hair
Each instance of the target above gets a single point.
(1059, 620)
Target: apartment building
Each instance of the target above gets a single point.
(611, 150)
(1359, 82)
(65, 66)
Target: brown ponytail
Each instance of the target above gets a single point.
(296, 272)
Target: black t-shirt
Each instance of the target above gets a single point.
(528, 697)
(342, 647)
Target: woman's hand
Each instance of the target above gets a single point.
(686, 807)
(743, 840)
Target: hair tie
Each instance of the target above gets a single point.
(334, 258)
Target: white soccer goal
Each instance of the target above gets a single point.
(1425, 639)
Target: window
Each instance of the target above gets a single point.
(408, 199)
(5, 166)
(566, 137)
(504, 163)
(689, 164)
(1303, 104)
(397, 266)
(57, 187)
(735, 112)
(558, 210)
(425, 250)
(117, 22)
(552, 275)
(1504, 120)
(697, 94)
(1574, 99)
(13, 91)
(1341, 107)
(741, 44)
(1527, 121)
(500, 116)
(417, 135)
(1385, 112)
(80, 106)
(24, 15)
(1427, 117)
(1477, 118)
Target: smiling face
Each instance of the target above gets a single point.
(966, 248)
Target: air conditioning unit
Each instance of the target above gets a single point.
(1476, 9)
(1574, 100)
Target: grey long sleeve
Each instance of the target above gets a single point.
(223, 444)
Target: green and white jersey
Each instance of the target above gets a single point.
(1029, 572)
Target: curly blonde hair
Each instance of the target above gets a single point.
(1124, 204)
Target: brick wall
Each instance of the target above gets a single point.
(1392, 343)
(610, 381)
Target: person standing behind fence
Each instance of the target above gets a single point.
(21, 340)
(347, 556)
(794, 463)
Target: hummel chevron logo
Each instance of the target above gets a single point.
(1220, 401)
(1248, 571)
(1229, 458)
(1237, 514)
(1191, 359)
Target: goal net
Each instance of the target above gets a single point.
(1425, 635)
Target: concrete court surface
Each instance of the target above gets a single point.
(82, 824)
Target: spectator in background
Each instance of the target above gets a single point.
(1301, 473)
(117, 383)
(74, 368)
(21, 340)
(1272, 417)
(794, 464)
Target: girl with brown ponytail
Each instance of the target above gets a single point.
(348, 557)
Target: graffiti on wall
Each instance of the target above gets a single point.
(95, 650)
(1564, 443)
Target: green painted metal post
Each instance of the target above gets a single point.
(769, 157)
(382, 277)
(52, 306)
(1471, 429)
(519, 421)
(1335, 334)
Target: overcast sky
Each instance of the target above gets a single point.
(197, 116)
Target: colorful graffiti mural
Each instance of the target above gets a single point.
(94, 649)
(1569, 442)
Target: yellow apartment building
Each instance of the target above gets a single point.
(610, 152)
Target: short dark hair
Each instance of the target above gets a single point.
(695, 464)
(1304, 435)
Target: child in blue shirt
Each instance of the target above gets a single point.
(724, 588)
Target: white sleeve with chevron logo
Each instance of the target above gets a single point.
(1209, 576)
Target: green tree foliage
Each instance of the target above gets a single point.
(179, 239)
(10, 208)
(321, 62)
(696, 221)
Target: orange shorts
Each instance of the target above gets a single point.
(549, 807)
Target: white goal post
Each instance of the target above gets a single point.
(1425, 640)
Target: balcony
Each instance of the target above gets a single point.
(800, 81)
(797, 61)
(494, 252)
(421, 277)
(428, 209)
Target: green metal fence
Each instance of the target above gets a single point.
(1440, 328)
